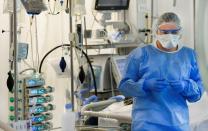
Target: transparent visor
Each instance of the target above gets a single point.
(173, 29)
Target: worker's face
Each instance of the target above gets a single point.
(168, 28)
(168, 36)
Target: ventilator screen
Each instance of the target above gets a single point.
(112, 4)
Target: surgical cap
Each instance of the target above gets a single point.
(168, 17)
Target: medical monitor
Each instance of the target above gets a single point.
(121, 65)
(111, 4)
(118, 67)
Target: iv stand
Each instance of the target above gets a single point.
(15, 58)
(71, 55)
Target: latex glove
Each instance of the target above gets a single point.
(157, 85)
(179, 85)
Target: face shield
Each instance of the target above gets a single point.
(169, 28)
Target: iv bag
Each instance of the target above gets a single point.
(34, 6)
(78, 7)
(8, 6)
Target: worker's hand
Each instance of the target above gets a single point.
(179, 85)
(157, 85)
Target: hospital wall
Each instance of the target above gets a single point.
(53, 30)
(201, 38)
(4, 66)
(184, 9)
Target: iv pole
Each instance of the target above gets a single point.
(71, 55)
(15, 58)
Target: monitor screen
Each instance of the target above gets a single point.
(112, 4)
(121, 65)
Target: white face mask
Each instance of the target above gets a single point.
(168, 41)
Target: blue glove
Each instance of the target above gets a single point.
(157, 85)
(179, 85)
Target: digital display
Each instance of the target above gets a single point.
(33, 92)
(32, 101)
(37, 100)
(41, 91)
(38, 128)
(38, 119)
(111, 4)
(37, 109)
(31, 82)
(35, 82)
(38, 91)
(41, 100)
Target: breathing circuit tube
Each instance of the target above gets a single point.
(68, 45)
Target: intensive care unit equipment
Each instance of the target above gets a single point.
(93, 101)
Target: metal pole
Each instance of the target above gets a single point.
(85, 29)
(15, 59)
(71, 56)
(11, 60)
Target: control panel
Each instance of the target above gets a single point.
(34, 102)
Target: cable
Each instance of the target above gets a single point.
(25, 62)
(88, 60)
(54, 8)
(29, 69)
(49, 7)
(94, 19)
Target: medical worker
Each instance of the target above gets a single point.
(162, 77)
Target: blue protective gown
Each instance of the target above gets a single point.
(166, 110)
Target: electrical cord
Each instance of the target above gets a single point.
(54, 12)
(88, 60)
(94, 19)
(27, 64)
(29, 69)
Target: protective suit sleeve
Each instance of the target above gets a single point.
(194, 88)
(131, 85)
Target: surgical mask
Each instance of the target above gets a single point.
(169, 41)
